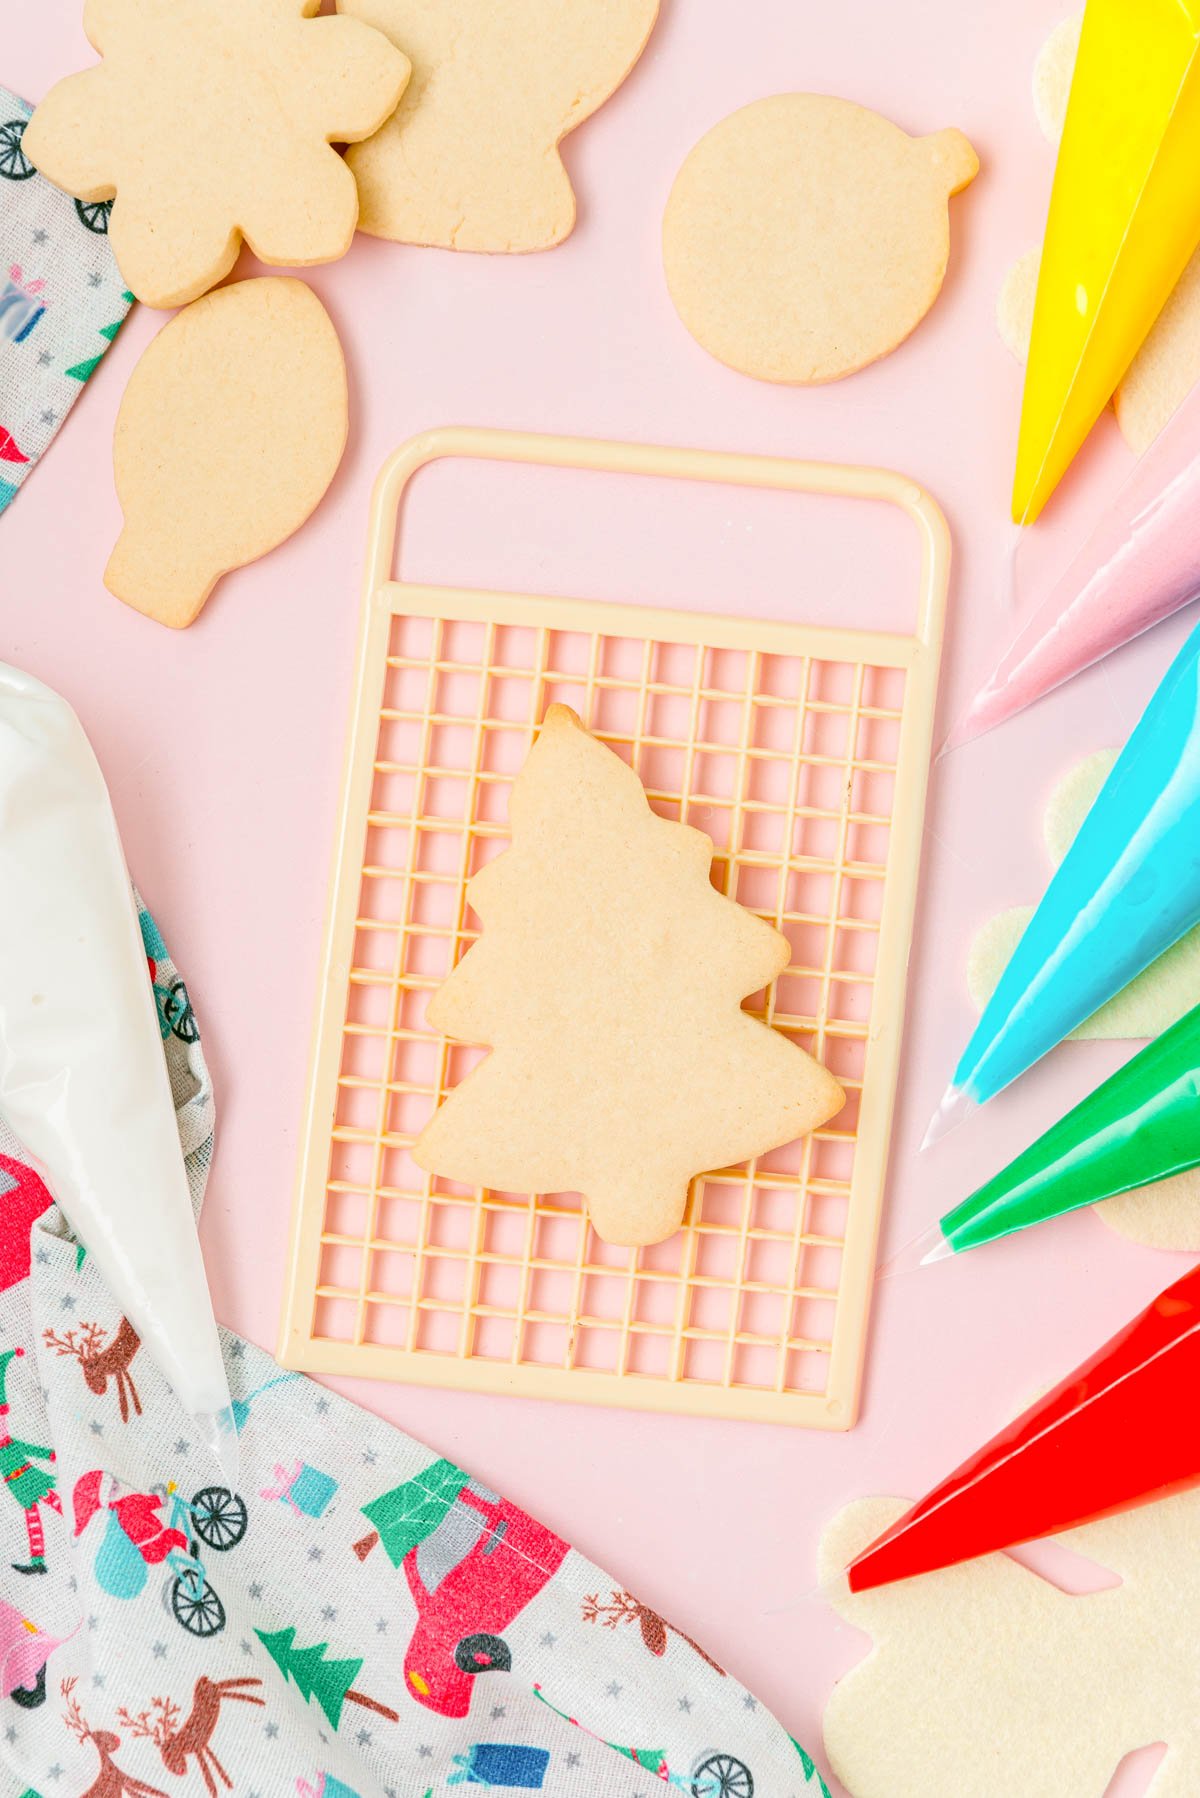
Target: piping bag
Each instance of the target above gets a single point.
(83, 1079)
(1140, 564)
(1128, 887)
(1124, 219)
(1142, 1124)
(1117, 1432)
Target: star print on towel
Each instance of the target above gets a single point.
(61, 301)
(356, 1618)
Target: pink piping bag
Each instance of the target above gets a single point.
(83, 1078)
(1140, 564)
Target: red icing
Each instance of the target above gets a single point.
(1117, 1432)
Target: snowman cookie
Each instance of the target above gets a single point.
(806, 236)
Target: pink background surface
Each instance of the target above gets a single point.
(223, 746)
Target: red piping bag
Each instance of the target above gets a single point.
(1122, 1429)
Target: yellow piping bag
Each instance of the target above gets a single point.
(83, 1078)
(1124, 220)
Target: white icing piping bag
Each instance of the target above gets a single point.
(83, 1077)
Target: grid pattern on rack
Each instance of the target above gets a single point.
(788, 762)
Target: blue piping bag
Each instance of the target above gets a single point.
(1128, 888)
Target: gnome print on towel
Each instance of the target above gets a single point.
(29, 1484)
(473, 1562)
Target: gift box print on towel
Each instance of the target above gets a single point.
(357, 1618)
(61, 301)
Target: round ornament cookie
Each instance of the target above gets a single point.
(806, 236)
(229, 433)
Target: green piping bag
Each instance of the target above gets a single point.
(1142, 1124)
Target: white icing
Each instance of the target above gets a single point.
(83, 1079)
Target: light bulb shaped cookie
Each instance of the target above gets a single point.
(806, 236)
(229, 433)
(470, 161)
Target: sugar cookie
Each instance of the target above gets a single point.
(1014, 307)
(608, 982)
(470, 161)
(1052, 74)
(806, 236)
(210, 121)
(1167, 366)
(1165, 1214)
(987, 1681)
(1148, 1005)
(230, 431)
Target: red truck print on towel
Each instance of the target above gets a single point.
(473, 1562)
(23, 1198)
(470, 1580)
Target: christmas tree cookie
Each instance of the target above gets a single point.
(210, 123)
(608, 983)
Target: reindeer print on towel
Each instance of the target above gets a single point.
(178, 1742)
(623, 1607)
(346, 1615)
(110, 1782)
(103, 1360)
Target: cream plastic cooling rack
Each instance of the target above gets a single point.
(804, 753)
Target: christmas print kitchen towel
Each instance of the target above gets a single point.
(357, 1619)
(61, 300)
